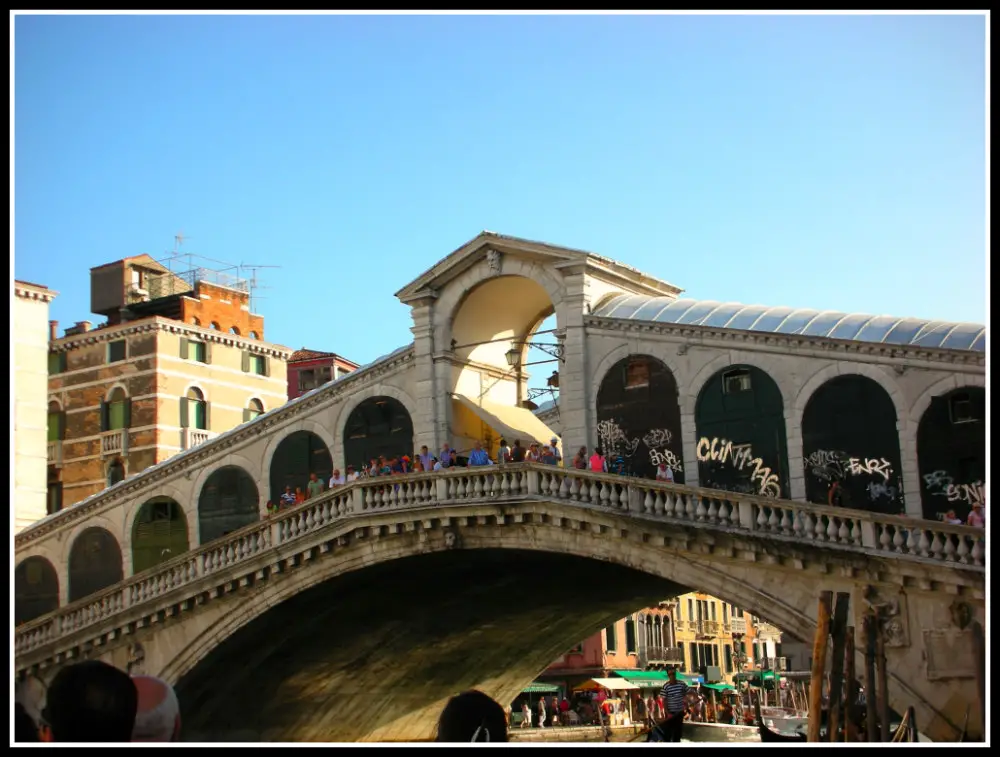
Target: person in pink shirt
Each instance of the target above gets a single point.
(976, 517)
(597, 462)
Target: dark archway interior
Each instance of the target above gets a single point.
(638, 417)
(378, 426)
(228, 501)
(374, 654)
(95, 563)
(159, 533)
(298, 455)
(740, 418)
(849, 437)
(36, 589)
(951, 452)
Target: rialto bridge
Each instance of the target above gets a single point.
(353, 616)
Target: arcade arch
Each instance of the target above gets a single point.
(159, 533)
(740, 421)
(228, 501)
(296, 456)
(36, 589)
(639, 417)
(850, 446)
(95, 563)
(377, 426)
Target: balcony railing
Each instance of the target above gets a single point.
(709, 628)
(192, 437)
(738, 625)
(660, 656)
(55, 453)
(114, 442)
(773, 663)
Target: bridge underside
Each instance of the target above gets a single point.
(375, 654)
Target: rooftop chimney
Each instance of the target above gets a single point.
(81, 327)
(53, 330)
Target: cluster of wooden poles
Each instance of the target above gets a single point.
(832, 621)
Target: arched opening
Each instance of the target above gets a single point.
(159, 533)
(194, 410)
(740, 422)
(116, 471)
(195, 321)
(639, 418)
(228, 501)
(498, 377)
(214, 326)
(254, 408)
(851, 447)
(299, 454)
(951, 453)
(234, 331)
(116, 412)
(377, 426)
(95, 563)
(253, 335)
(36, 589)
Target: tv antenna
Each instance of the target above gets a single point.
(254, 283)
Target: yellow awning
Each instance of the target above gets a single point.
(510, 422)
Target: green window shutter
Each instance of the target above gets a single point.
(105, 420)
(246, 361)
(184, 412)
(127, 413)
(207, 413)
(267, 365)
(208, 352)
(53, 426)
(184, 348)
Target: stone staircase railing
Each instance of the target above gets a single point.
(848, 530)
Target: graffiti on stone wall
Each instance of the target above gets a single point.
(658, 437)
(940, 484)
(827, 465)
(740, 457)
(665, 457)
(876, 490)
(837, 465)
(615, 441)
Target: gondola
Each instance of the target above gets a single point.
(768, 735)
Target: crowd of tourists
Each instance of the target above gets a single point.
(93, 702)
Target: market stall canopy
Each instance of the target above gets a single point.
(508, 421)
(537, 687)
(719, 686)
(614, 684)
(644, 679)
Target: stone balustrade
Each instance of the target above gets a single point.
(114, 442)
(856, 531)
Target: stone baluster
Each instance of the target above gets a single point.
(949, 547)
(820, 527)
(978, 551)
(833, 529)
(613, 499)
(700, 510)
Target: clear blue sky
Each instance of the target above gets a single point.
(827, 162)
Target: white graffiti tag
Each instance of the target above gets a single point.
(614, 440)
(665, 457)
(658, 437)
(827, 465)
(939, 480)
(971, 494)
(740, 456)
(871, 466)
(876, 490)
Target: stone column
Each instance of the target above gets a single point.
(910, 475)
(689, 444)
(796, 466)
(425, 429)
(574, 370)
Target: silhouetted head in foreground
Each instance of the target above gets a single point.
(472, 717)
(90, 701)
(159, 714)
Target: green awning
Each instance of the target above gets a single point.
(540, 688)
(641, 674)
(719, 686)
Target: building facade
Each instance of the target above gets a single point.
(164, 374)
(309, 369)
(31, 338)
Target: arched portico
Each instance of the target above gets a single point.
(36, 589)
(228, 501)
(378, 426)
(296, 458)
(159, 533)
(95, 563)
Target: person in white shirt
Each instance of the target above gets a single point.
(554, 443)
(352, 475)
(336, 479)
(664, 473)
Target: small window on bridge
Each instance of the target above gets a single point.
(962, 410)
(736, 381)
(637, 374)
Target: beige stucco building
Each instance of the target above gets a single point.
(31, 337)
(164, 374)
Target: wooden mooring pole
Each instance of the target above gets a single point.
(837, 664)
(820, 645)
(883, 679)
(850, 731)
(871, 718)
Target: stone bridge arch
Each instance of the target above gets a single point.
(274, 442)
(352, 402)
